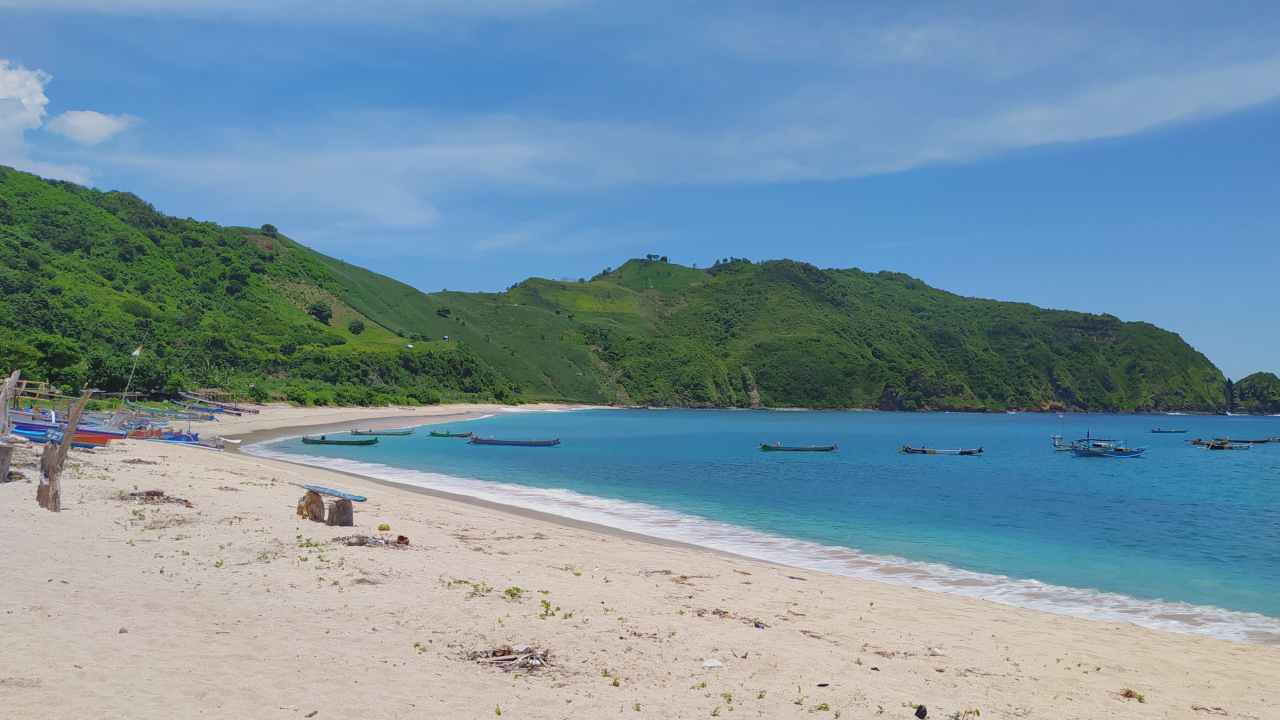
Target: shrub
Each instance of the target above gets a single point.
(356, 326)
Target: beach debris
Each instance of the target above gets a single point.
(13, 476)
(123, 631)
(373, 540)
(227, 488)
(311, 506)
(1131, 694)
(139, 461)
(922, 712)
(513, 657)
(340, 512)
(157, 497)
(384, 527)
(711, 664)
(1215, 710)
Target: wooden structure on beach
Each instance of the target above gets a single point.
(7, 391)
(54, 457)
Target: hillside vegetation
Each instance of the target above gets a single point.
(1258, 393)
(87, 276)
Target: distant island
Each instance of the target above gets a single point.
(89, 276)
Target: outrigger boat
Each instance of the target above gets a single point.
(940, 451)
(1168, 431)
(779, 447)
(1103, 448)
(400, 432)
(1226, 445)
(1059, 445)
(323, 440)
(448, 434)
(514, 443)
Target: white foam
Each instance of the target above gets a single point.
(657, 522)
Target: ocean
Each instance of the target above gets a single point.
(1181, 539)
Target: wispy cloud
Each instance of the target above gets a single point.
(88, 127)
(22, 108)
(305, 11)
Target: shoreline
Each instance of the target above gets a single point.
(1101, 606)
(123, 608)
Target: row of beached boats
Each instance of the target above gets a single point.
(98, 429)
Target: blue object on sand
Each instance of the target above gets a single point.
(336, 493)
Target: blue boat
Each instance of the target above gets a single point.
(1104, 448)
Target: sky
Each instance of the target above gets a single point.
(1109, 157)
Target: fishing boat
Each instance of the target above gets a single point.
(779, 447)
(1226, 445)
(447, 434)
(514, 443)
(1104, 448)
(1168, 431)
(940, 451)
(398, 433)
(1262, 441)
(323, 440)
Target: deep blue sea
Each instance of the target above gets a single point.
(1183, 538)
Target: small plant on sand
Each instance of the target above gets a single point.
(1131, 694)
(419, 647)
(497, 710)
(384, 527)
(569, 568)
(760, 695)
(969, 714)
(617, 681)
(716, 712)
(636, 707)
(514, 593)
(727, 697)
(821, 707)
(547, 610)
(700, 686)
(218, 564)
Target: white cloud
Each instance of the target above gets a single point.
(22, 108)
(88, 127)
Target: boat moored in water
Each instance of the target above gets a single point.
(324, 440)
(397, 433)
(1168, 431)
(514, 443)
(448, 434)
(908, 449)
(779, 447)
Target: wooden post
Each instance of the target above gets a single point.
(6, 450)
(340, 512)
(54, 457)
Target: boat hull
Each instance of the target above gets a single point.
(797, 448)
(909, 450)
(325, 441)
(514, 443)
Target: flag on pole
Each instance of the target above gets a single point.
(137, 352)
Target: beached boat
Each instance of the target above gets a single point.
(323, 440)
(514, 443)
(447, 434)
(940, 451)
(779, 447)
(1168, 431)
(397, 433)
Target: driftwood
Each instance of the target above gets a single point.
(311, 506)
(54, 457)
(6, 450)
(507, 657)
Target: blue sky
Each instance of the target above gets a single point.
(1101, 158)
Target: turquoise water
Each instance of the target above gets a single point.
(1183, 538)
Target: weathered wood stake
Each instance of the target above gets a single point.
(54, 457)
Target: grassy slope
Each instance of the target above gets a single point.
(226, 305)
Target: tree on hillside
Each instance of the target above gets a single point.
(356, 326)
(269, 230)
(320, 310)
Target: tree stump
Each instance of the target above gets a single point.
(6, 457)
(340, 513)
(311, 506)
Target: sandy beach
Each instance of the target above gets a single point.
(234, 607)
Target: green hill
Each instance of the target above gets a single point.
(88, 275)
(1258, 393)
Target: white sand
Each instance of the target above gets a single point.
(236, 608)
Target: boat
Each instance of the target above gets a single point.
(1168, 431)
(323, 440)
(1226, 445)
(940, 451)
(1262, 441)
(1059, 445)
(400, 432)
(447, 434)
(779, 447)
(1104, 448)
(513, 443)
